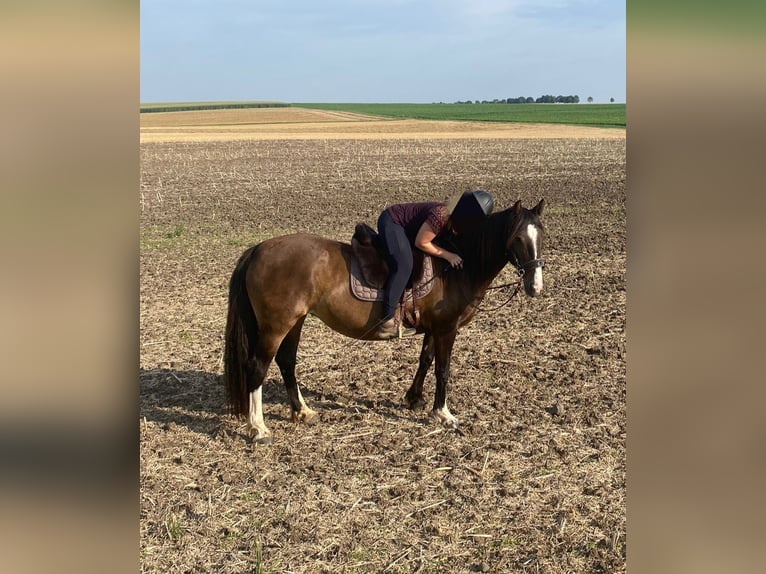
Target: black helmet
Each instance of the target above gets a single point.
(484, 200)
(470, 209)
(472, 205)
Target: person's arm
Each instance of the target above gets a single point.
(424, 242)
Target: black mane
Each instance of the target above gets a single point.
(483, 249)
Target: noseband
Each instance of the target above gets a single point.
(531, 264)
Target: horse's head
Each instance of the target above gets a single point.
(524, 246)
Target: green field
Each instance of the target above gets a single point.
(605, 115)
(194, 106)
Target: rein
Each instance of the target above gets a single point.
(516, 288)
(520, 270)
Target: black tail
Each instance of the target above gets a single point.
(241, 336)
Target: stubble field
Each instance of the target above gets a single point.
(536, 480)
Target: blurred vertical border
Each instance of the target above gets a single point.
(69, 286)
(697, 436)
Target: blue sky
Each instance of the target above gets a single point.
(381, 50)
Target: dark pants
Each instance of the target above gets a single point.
(399, 262)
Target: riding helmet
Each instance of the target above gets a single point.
(484, 200)
(471, 205)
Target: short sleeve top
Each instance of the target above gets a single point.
(411, 217)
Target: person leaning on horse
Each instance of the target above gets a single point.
(403, 226)
(276, 284)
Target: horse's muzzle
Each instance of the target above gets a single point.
(533, 281)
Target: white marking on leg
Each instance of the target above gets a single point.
(255, 417)
(446, 417)
(305, 414)
(537, 278)
(300, 397)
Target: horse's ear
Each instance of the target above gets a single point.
(538, 209)
(517, 208)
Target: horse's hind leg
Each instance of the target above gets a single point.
(286, 358)
(261, 351)
(414, 396)
(255, 372)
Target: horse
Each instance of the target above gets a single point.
(277, 283)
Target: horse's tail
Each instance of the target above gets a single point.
(241, 336)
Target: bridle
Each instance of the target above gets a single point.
(528, 266)
(521, 269)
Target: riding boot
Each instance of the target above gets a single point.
(393, 328)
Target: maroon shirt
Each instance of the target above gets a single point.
(411, 216)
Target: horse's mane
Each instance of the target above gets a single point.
(483, 250)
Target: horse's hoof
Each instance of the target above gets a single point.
(447, 421)
(306, 417)
(311, 418)
(414, 403)
(264, 440)
(450, 426)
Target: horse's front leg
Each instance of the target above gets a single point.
(286, 356)
(414, 396)
(443, 350)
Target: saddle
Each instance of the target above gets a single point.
(369, 270)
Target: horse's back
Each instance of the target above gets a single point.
(298, 241)
(295, 269)
(295, 256)
(292, 275)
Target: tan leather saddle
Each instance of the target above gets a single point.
(369, 270)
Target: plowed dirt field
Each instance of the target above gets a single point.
(536, 480)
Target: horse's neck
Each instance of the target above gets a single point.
(487, 251)
(487, 273)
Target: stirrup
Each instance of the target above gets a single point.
(403, 331)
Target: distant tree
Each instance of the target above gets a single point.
(611, 100)
(544, 99)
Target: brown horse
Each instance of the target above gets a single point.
(278, 282)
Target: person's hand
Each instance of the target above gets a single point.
(454, 260)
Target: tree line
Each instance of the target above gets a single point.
(546, 99)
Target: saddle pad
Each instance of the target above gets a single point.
(365, 292)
